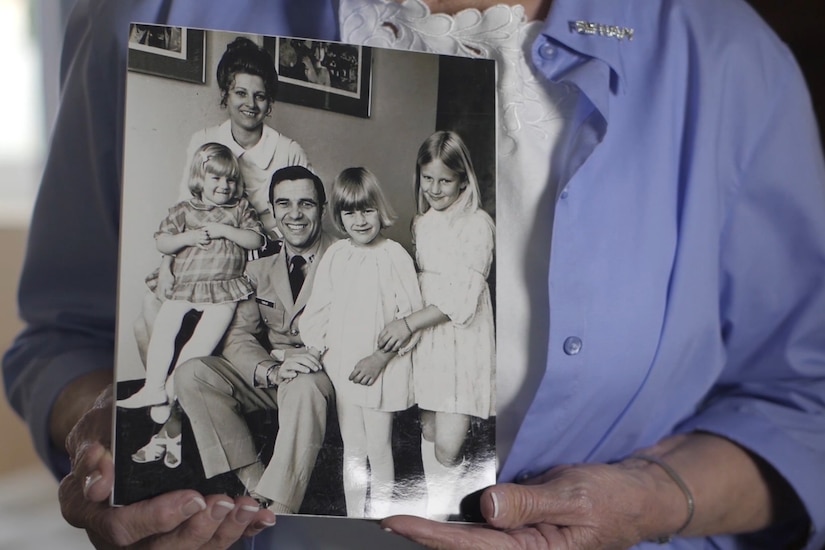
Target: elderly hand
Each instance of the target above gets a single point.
(180, 519)
(590, 506)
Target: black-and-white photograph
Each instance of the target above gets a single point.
(306, 304)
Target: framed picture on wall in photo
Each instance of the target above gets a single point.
(323, 75)
(171, 52)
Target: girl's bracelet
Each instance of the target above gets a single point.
(406, 324)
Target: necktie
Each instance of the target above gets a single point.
(296, 275)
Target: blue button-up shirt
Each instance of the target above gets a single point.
(688, 254)
(687, 281)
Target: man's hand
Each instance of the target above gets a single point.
(294, 364)
(368, 369)
(180, 519)
(592, 506)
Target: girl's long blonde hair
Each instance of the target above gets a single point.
(448, 147)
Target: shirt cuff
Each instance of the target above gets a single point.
(44, 385)
(261, 374)
(796, 451)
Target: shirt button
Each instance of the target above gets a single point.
(572, 345)
(547, 51)
(563, 195)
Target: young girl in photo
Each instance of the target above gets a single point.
(454, 361)
(361, 284)
(208, 235)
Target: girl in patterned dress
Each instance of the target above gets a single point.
(454, 361)
(208, 235)
(361, 284)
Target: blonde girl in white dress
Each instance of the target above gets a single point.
(454, 361)
(361, 284)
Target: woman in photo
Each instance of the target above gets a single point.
(248, 81)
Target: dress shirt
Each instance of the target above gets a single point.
(686, 282)
(688, 249)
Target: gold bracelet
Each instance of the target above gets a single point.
(681, 484)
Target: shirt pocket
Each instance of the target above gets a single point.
(272, 310)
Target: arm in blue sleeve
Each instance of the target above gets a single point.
(67, 288)
(771, 396)
(67, 291)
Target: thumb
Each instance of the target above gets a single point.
(511, 506)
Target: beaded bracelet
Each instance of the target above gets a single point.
(407, 324)
(682, 485)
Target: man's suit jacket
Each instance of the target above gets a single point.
(268, 319)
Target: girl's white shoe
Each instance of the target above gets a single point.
(145, 397)
(152, 451)
(159, 447)
(172, 457)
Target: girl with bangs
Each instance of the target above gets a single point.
(454, 361)
(363, 283)
(208, 236)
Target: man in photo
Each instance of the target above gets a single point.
(264, 364)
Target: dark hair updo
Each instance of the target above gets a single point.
(244, 56)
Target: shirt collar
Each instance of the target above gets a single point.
(596, 34)
(308, 255)
(599, 29)
(260, 154)
(200, 204)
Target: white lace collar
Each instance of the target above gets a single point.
(411, 25)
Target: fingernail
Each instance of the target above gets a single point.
(494, 497)
(80, 453)
(90, 480)
(263, 524)
(245, 513)
(221, 509)
(388, 530)
(194, 506)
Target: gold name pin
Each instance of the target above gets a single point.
(600, 29)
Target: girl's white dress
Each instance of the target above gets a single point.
(358, 290)
(455, 361)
